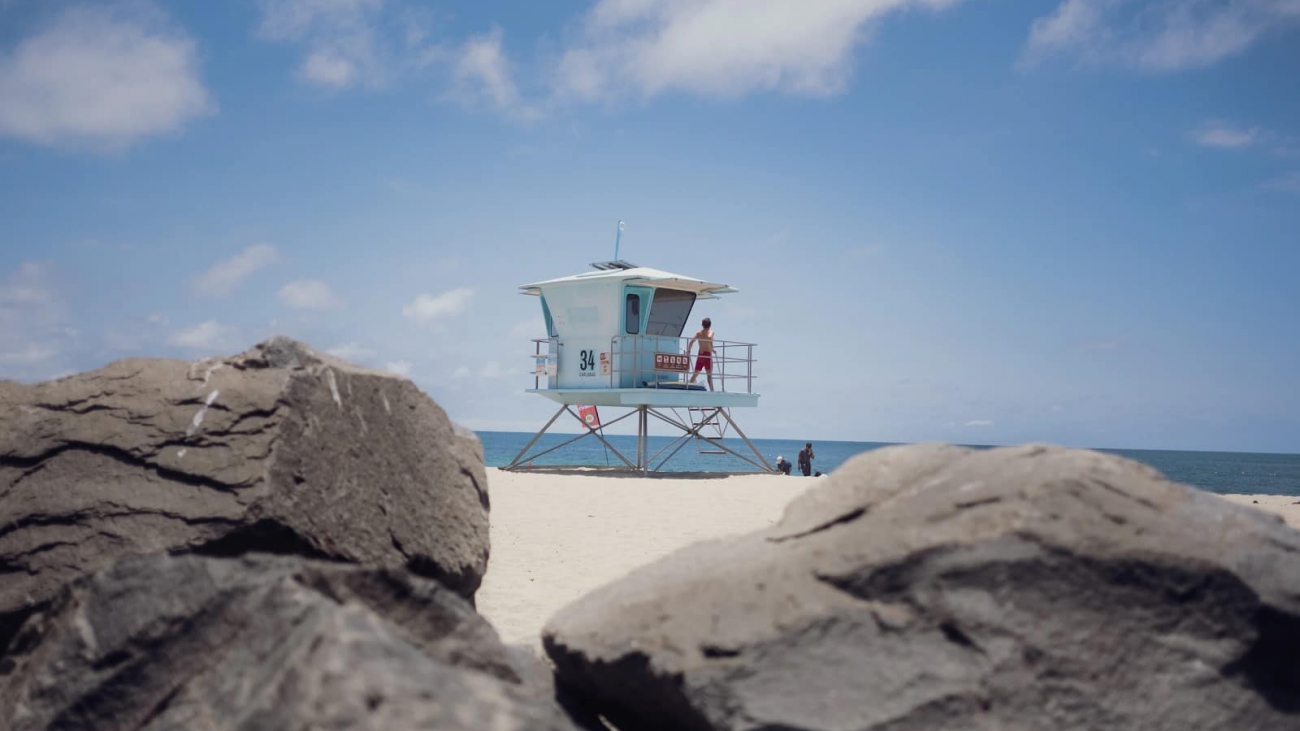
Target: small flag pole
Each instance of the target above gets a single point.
(617, 238)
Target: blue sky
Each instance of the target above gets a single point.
(957, 220)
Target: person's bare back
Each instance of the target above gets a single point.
(705, 359)
(705, 338)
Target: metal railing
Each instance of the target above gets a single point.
(634, 354)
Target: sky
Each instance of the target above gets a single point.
(955, 220)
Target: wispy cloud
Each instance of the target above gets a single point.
(351, 351)
(353, 43)
(208, 337)
(310, 294)
(483, 77)
(400, 367)
(980, 422)
(225, 276)
(1288, 183)
(101, 78)
(34, 327)
(1100, 345)
(340, 39)
(1156, 36)
(1224, 135)
(133, 334)
(867, 251)
(647, 48)
(428, 307)
(29, 354)
(26, 286)
(531, 328)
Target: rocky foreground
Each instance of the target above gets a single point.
(281, 540)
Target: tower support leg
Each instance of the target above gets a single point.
(645, 462)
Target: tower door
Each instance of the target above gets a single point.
(635, 350)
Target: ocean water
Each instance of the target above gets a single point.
(1220, 472)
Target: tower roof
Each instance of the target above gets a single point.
(644, 276)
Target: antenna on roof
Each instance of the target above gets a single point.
(608, 266)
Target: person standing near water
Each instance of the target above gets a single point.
(705, 359)
(805, 460)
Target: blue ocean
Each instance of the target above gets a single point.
(1220, 472)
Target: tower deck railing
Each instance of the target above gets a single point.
(657, 361)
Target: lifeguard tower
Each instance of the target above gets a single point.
(615, 339)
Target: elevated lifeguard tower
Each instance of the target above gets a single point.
(615, 340)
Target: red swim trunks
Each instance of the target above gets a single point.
(704, 361)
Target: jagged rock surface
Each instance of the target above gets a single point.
(279, 449)
(935, 588)
(164, 642)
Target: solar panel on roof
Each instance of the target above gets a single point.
(607, 266)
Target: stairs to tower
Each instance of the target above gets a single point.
(709, 428)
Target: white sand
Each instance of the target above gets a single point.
(556, 537)
(1287, 506)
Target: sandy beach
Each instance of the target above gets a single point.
(1287, 506)
(557, 536)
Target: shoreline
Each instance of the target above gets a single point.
(558, 535)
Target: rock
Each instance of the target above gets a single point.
(264, 642)
(280, 449)
(937, 588)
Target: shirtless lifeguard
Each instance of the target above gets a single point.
(705, 359)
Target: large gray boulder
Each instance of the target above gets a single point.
(937, 588)
(163, 642)
(279, 449)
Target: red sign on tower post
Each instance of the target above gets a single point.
(589, 416)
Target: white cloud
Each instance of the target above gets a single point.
(1157, 36)
(210, 336)
(482, 76)
(133, 335)
(979, 422)
(400, 367)
(1218, 134)
(33, 322)
(342, 39)
(225, 276)
(29, 355)
(721, 47)
(530, 328)
(26, 286)
(327, 68)
(461, 372)
(310, 294)
(427, 307)
(492, 369)
(351, 351)
(101, 78)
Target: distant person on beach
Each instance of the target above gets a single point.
(805, 460)
(783, 465)
(705, 359)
